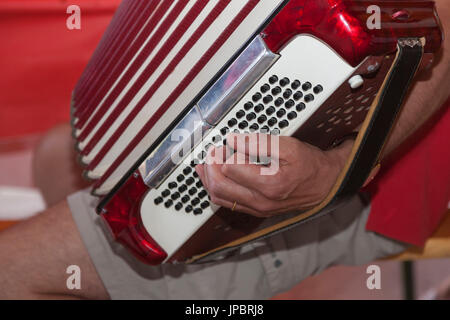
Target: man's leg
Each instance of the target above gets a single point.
(35, 254)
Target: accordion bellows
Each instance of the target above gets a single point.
(309, 69)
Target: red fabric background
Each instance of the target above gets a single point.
(41, 60)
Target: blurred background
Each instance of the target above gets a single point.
(40, 62)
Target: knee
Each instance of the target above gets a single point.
(55, 143)
(55, 169)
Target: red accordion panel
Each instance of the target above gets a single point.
(344, 25)
(122, 215)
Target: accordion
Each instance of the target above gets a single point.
(172, 77)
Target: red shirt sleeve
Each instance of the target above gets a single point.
(410, 198)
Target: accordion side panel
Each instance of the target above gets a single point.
(180, 88)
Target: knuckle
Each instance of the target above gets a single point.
(226, 169)
(264, 208)
(217, 188)
(258, 215)
(276, 193)
(213, 188)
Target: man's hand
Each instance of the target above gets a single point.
(303, 178)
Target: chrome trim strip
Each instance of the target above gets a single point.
(245, 71)
(187, 134)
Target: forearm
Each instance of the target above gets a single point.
(429, 93)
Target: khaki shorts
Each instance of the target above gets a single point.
(260, 271)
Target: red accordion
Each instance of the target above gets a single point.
(172, 77)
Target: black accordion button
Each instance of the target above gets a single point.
(165, 193)
(192, 191)
(309, 98)
(300, 107)
(251, 116)
(190, 181)
(243, 125)
(268, 99)
(270, 111)
(168, 203)
(262, 119)
(202, 194)
(182, 188)
(318, 89)
(185, 199)
(178, 206)
(198, 211)
(272, 121)
(240, 114)
(232, 122)
(307, 86)
(180, 178)
(204, 205)
(265, 88)
(289, 104)
(248, 105)
(273, 79)
(292, 115)
(279, 102)
(284, 82)
(159, 200)
(175, 196)
(254, 127)
(256, 97)
(199, 184)
(259, 108)
(188, 209)
(195, 201)
(173, 185)
(224, 130)
(283, 124)
(298, 95)
(287, 94)
(276, 91)
(296, 84)
(281, 113)
(187, 170)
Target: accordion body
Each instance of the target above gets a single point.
(170, 78)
